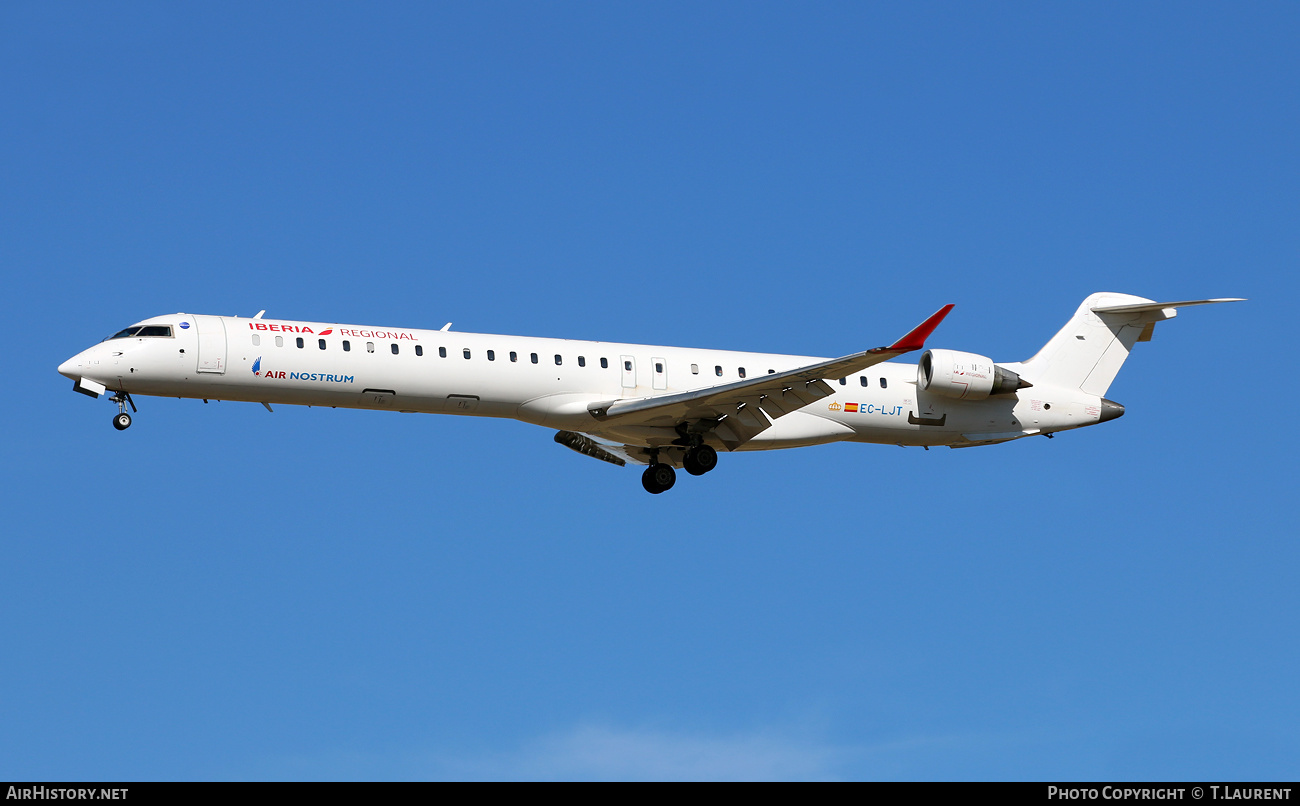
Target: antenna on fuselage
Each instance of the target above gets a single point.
(259, 314)
(445, 328)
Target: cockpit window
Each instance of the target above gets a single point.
(143, 331)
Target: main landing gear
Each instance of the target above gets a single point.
(122, 420)
(659, 478)
(700, 460)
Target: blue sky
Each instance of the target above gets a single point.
(230, 594)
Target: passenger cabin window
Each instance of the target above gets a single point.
(884, 384)
(604, 363)
(582, 362)
(844, 381)
(514, 356)
(393, 346)
(465, 352)
(863, 379)
(695, 369)
(347, 346)
(370, 346)
(741, 371)
(320, 343)
(419, 349)
(718, 370)
(533, 356)
(257, 340)
(300, 342)
(558, 360)
(442, 352)
(279, 341)
(492, 355)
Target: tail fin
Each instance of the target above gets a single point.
(1088, 352)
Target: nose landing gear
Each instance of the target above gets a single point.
(122, 420)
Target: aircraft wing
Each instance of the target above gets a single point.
(743, 409)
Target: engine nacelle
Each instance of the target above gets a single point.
(964, 376)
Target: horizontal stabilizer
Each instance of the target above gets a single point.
(1148, 307)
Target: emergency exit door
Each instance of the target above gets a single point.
(628, 366)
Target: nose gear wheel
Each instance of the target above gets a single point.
(122, 420)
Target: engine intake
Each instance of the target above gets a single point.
(964, 376)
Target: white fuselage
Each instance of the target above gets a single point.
(548, 382)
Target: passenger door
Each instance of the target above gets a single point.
(212, 344)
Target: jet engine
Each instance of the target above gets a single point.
(964, 376)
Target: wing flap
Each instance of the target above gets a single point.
(751, 417)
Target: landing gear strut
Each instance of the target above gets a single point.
(700, 460)
(122, 420)
(658, 478)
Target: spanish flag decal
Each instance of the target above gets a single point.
(848, 407)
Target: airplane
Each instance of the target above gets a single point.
(661, 407)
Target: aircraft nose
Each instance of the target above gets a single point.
(71, 368)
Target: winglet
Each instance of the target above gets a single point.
(915, 340)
